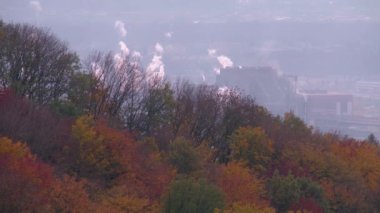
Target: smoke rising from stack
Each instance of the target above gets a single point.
(159, 50)
(36, 6)
(124, 48)
(169, 35)
(136, 54)
(225, 61)
(120, 26)
(211, 52)
(97, 70)
(156, 68)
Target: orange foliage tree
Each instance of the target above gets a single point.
(29, 185)
(240, 186)
(104, 153)
(132, 172)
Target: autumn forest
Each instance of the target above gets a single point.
(104, 135)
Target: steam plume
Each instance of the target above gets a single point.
(211, 52)
(223, 90)
(136, 54)
(159, 50)
(97, 70)
(217, 71)
(225, 61)
(124, 48)
(124, 52)
(169, 35)
(156, 68)
(36, 6)
(120, 26)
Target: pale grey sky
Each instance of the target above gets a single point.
(294, 36)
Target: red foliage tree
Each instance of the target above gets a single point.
(29, 185)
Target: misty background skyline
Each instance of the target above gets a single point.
(193, 39)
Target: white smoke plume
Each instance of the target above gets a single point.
(125, 56)
(120, 26)
(223, 90)
(169, 35)
(156, 68)
(136, 54)
(124, 48)
(225, 61)
(118, 60)
(97, 70)
(217, 71)
(36, 6)
(211, 52)
(124, 52)
(136, 57)
(159, 50)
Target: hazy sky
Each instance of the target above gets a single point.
(294, 36)
(202, 10)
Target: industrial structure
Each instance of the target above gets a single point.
(325, 110)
